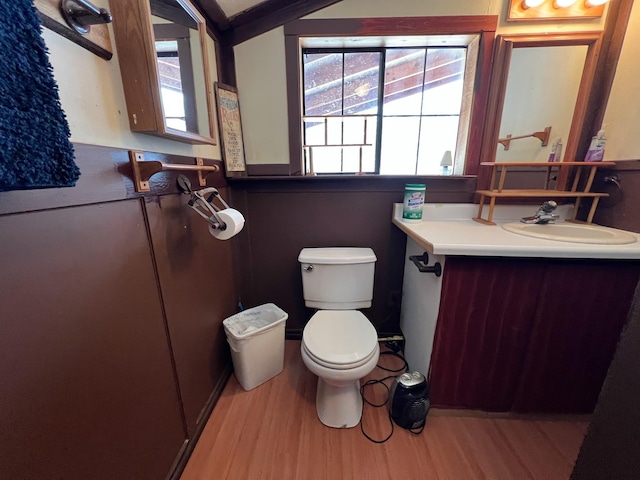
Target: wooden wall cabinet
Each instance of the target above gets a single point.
(164, 63)
(528, 335)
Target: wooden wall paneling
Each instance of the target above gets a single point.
(285, 215)
(100, 181)
(87, 383)
(620, 210)
(281, 224)
(105, 176)
(198, 287)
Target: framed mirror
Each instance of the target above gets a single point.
(539, 82)
(164, 63)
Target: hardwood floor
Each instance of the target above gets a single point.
(272, 432)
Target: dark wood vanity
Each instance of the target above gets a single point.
(528, 334)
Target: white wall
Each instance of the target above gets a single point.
(260, 63)
(92, 97)
(622, 118)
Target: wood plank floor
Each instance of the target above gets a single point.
(272, 432)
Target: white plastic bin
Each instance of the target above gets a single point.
(256, 338)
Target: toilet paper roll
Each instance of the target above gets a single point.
(234, 222)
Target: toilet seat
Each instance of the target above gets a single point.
(340, 339)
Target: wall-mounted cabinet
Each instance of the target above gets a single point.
(164, 63)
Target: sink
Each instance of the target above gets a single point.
(572, 232)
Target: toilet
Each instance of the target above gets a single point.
(339, 344)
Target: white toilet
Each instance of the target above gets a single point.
(339, 344)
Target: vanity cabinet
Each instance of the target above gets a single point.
(528, 334)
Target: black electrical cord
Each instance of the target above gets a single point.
(404, 368)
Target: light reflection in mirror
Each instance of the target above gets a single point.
(542, 89)
(180, 64)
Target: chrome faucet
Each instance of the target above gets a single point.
(544, 214)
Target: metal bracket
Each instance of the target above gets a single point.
(202, 202)
(81, 14)
(144, 170)
(420, 261)
(97, 40)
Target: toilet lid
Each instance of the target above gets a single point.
(340, 338)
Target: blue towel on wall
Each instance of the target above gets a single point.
(35, 151)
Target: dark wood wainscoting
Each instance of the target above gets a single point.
(198, 292)
(111, 309)
(86, 368)
(285, 215)
(620, 209)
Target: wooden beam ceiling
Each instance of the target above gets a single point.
(257, 20)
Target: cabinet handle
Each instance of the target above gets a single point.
(421, 261)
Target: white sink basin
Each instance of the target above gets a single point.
(572, 232)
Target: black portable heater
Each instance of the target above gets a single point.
(410, 400)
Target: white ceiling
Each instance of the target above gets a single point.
(233, 7)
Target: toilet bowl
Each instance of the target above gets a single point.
(340, 347)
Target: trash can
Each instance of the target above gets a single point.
(256, 339)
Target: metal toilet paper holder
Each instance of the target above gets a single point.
(202, 202)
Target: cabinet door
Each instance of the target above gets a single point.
(581, 310)
(486, 315)
(86, 382)
(199, 292)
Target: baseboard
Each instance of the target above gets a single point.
(440, 411)
(190, 445)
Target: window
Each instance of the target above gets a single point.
(175, 70)
(392, 111)
(409, 102)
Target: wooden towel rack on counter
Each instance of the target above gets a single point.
(547, 193)
(144, 170)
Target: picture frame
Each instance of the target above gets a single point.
(230, 126)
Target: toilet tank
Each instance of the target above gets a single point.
(337, 278)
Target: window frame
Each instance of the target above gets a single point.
(482, 25)
(180, 33)
(433, 44)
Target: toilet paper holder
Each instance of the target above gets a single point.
(202, 202)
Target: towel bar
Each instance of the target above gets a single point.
(543, 136)
(144, 170)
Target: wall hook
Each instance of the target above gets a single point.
(81, 14)
(421, 261)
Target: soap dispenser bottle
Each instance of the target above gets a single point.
(556, 151)
(596, 148)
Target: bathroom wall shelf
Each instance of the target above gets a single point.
(144, 170)
(498, 191)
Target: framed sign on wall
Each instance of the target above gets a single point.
(231, 143)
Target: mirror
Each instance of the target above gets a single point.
(538, 82)
(162, 49)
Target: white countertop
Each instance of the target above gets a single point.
(447, 229)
